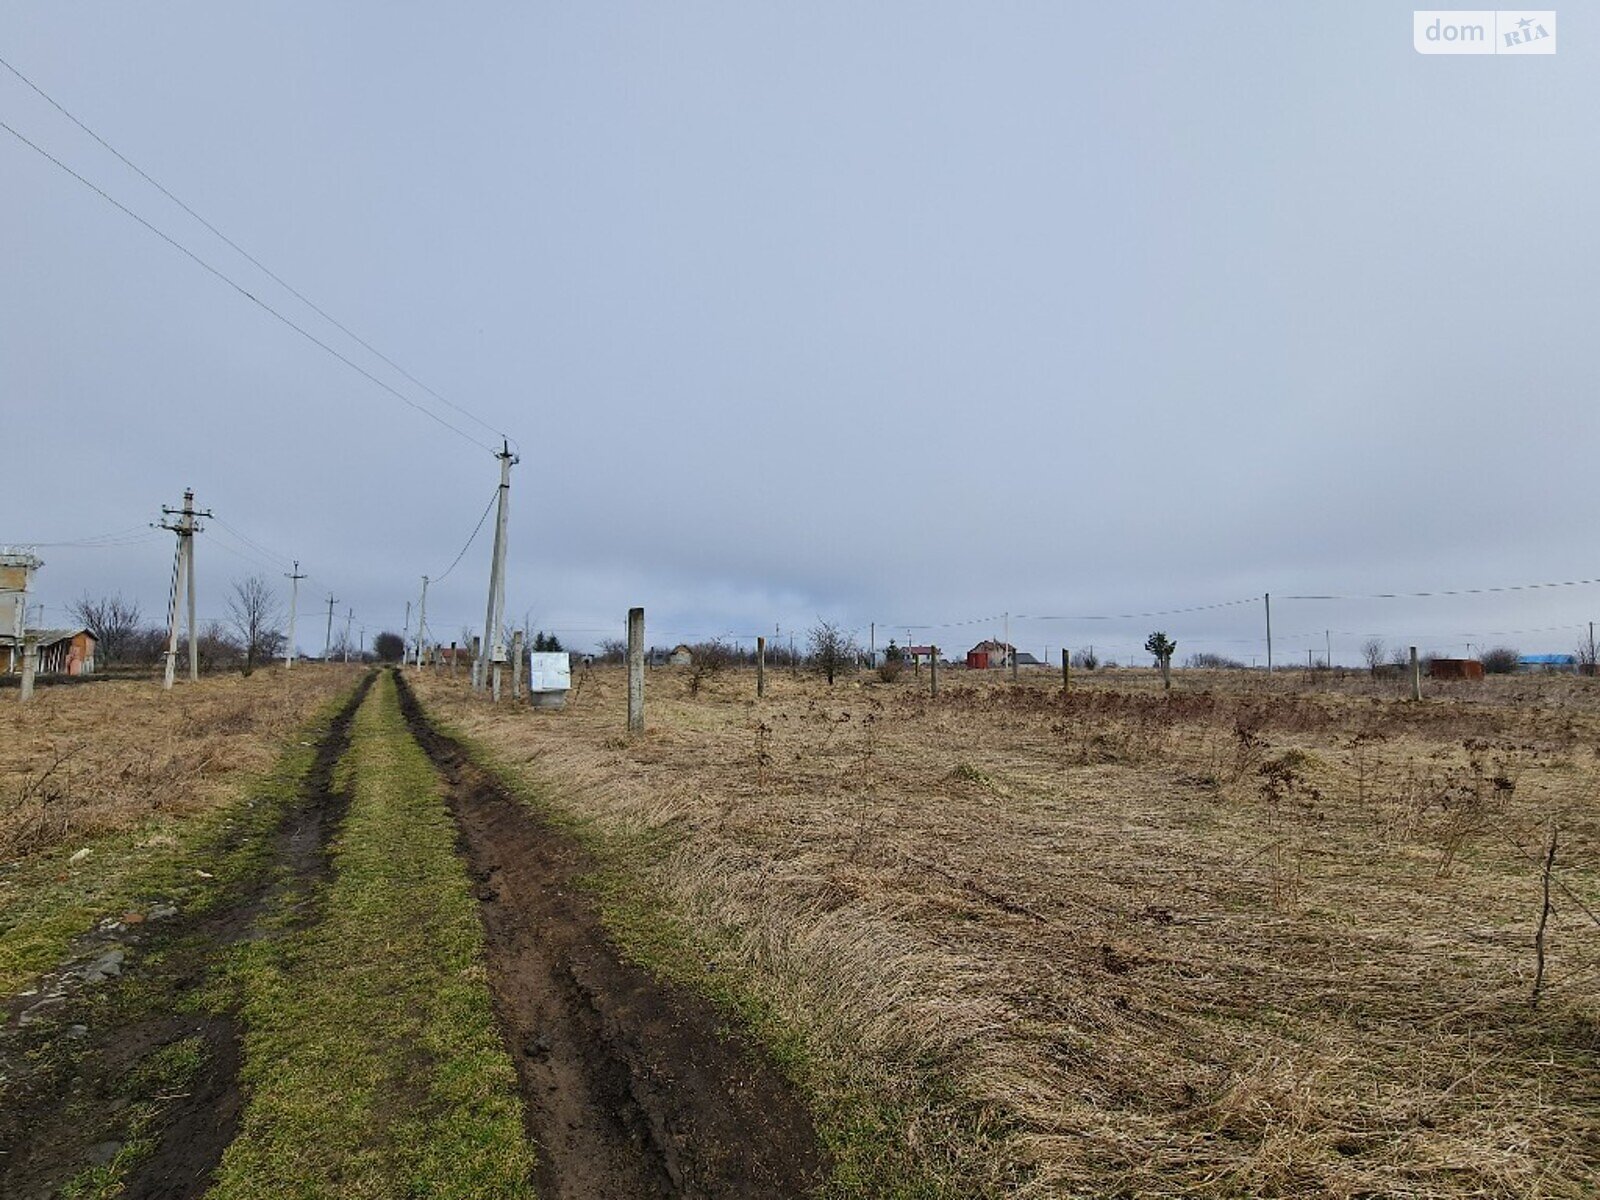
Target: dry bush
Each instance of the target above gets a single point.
(1107, 944)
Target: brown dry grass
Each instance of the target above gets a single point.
(77, 762)
(1263, 938)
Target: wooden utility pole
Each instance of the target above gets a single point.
(493, 654)
(761, 667)
(294, 604)
(422, 622)
(186, 526)
(636, 670)
(1416, 675)
(327, 635)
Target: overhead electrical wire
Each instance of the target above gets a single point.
(246, 293)
(266, 270)
(433, 579)
(1477, 591)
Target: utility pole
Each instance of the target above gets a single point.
(1009, 651)
(493, 654)
(349, 616)
(405, 635)
(294, 601)
(327, 638)
(422, 621)
(186, 526)
(872, 643)
(1267, 599)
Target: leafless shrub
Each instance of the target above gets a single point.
(832, 649)
(1501, 660)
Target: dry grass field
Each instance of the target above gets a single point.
(1257, 938)
(82, 761)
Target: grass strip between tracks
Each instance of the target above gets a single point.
(371, 1055)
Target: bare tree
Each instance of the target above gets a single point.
(1585, 654)
(254, 612)
(113, 621)
(1373, 650)
(832, 649)
(1500, 660)
(705, 660)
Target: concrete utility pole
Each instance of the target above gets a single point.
(327, 637)
(349, 616)
(294, 602)
(405, 635)
(1267, 600)
(516, 665)
(636, 670)
(422, 622)
(186, 526)
(493, 655)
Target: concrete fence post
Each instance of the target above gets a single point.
(30, 665)
(636, 670)
(1416, 675)
(453, 657)
(761, 667)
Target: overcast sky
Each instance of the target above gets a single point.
(906, 313)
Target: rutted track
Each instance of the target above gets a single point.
(631, 1088)
(64, 1110)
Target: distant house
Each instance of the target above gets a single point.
(61, 651)
(1547, 662)
(917, 655)
(989, 654)
(1455, 668)
(681, 656)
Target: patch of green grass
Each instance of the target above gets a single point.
(372, 1059)
(194, 862)
(864, 1129)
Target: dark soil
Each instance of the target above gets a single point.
(632, 1087)
(70, 1073)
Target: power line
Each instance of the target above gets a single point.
(1477, 591)
(476, 529)
(266, 270)
(248, 295)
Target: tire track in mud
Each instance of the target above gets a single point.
(65, 1111)
(631, 1087)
